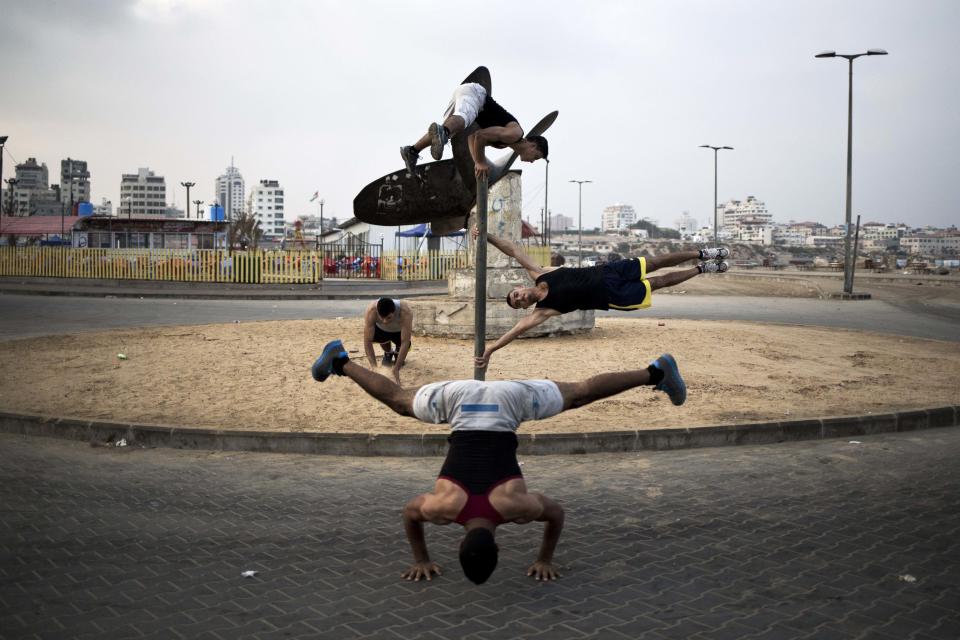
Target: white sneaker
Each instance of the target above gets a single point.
(715, 253)
(714, 267)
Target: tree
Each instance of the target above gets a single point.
(244, 228)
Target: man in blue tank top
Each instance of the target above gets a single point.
(480, 485)
(622, 284)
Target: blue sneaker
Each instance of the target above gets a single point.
(323, 367)
(672, 383)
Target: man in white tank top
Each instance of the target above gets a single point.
(389, 323)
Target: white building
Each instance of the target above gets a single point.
(686, 224)
(33, 181)
(74, 181)
(928, 244)
(229, 190)
(142, 193)
(268, 207)
(105, 208)
(730, 213)
(559, 222)
(617, 217)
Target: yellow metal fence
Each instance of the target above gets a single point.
(213, 265)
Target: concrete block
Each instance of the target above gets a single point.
(911, 420)
(941, 417)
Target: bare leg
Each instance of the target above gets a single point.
(672, 278)
(454, 125)
(670, 260)
(382, 388)
(578, 394)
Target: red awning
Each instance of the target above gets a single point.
(36, 225)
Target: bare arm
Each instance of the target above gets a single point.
(478, 142)
(553, 515)
(368, 326)
(511, 249)
(538, 316)
(413, 520)
(406, 330)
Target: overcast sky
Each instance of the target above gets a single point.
(320, 96)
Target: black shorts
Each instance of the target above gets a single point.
(493, 115)
(627, 284)
(382, 337)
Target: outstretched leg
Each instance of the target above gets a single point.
(663, 373)
(672, 278)
(382, 388)
(671, 260)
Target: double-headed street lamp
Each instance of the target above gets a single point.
(188, 185)
(198, 203)
(580, 184)
(848, 258)
(715, 203)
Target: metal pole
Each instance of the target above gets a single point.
(546, 210)
(848, 258)
(480, 285)
(580, 225)
(856, 240)
(715, 241)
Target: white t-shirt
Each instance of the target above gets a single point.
(476, 405)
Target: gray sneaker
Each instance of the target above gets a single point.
(715, 253)
(714, 267)
(438, 139)
(410, 157)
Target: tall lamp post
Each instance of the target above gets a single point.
(3, 141)
(848, 258)
(580, 184)
(188, 185)
(546, 210)
(11, 183)
(715, 149)
(198, 203)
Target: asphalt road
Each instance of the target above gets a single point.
(26, 316)
(816, 540)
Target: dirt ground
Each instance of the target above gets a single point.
(255, 376)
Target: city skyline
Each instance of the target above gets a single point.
(315, 107)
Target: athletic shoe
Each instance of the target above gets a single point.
(716, 253)
(410, 157)
(672, 383)
(438, 138)
(323, 367)
(388, 358)
(714, 267)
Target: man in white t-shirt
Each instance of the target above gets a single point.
(480, 485)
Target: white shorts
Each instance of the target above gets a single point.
(475, 405)
(467, 101)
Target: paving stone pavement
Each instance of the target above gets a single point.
(802, 540)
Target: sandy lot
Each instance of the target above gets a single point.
(256, 375)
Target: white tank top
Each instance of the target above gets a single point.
(394, 325)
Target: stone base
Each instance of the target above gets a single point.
(452, 317)
(461, 283)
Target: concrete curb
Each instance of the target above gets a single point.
(435, 444)
(201, 295)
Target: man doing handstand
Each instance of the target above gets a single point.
(621, 284)
(498, 128)
(480, 485)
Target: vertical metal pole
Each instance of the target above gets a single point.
(848, 259)
(480, 286)
(856, 241)
(580, 225)
(716, 242)
(546, 209)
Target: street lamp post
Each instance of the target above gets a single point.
(3, 141)
(546, 210)
(715, 149)
(198, 203)
(848, 258)
(580, 184)
(188, 185)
